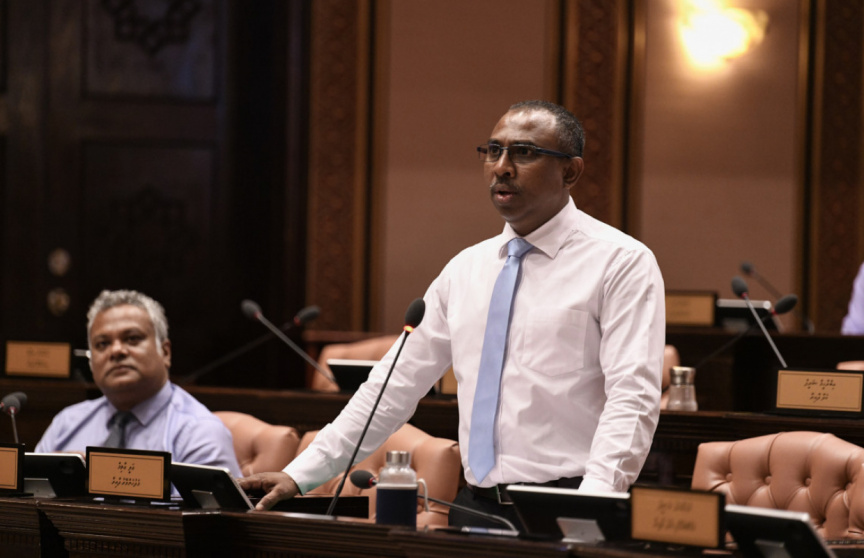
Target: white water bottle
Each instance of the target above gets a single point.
(396, 494)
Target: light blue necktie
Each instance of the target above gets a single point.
(481, 445)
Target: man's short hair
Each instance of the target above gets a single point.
(110, 299)
(570, 133)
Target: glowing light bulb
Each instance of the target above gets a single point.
(713, 33)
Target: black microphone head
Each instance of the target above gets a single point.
(415, 312)
(362, 479)
(306, 315)
(747, 268)
(13, 402)
(250, 309)
(739, 287)
(786, 304)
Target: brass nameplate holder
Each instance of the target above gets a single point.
(11, 468)
(47, 360)
(129, 473)
(815, 390)
(677, 516)
(690, 308)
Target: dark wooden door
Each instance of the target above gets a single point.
(145, 145)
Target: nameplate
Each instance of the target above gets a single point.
(129, 473)
(11, 468)
(815, 390)
(675, 516)
(47, 360)
(684, 308)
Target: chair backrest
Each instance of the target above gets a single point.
(436, 460)
(367, 349)
(259, 446)
(799, 471)
(851, 365)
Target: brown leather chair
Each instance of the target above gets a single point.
(851, 365)
(436, 460)
(260, 447)
(367, 349)
(800, 471)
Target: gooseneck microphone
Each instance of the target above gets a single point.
(750, 271)
(783, 306)
(11, 405)
(413, 317)
(363, 479)
(253, 312)
(302, 318)
(739, 287)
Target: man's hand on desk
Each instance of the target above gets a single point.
(278, 486)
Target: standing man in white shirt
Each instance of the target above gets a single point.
(575, 396)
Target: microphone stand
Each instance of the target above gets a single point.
(14, 425)
(366, 427)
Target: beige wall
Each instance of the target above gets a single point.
(717, 151)
(446, 71)
(719, 181)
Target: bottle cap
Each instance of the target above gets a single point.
(398, 457)
(683, 375)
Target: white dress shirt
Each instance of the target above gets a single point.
(580, 389)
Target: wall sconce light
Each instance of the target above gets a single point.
(713, 32)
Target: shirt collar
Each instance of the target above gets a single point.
(548, 237)
(147, 410)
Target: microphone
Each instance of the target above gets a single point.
(253, 312)
(750, 271)
(363, 479)
(303, 317)
(11, 405)
(739, 287)
(413, 317)
(783, 306)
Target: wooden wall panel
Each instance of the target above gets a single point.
(836, 213)
(595, 67)
(153, 49)
(338, 168)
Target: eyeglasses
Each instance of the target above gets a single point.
(519, 153)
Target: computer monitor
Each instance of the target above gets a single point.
(733, 314)
(55, 475)
(584, 514)
(768, 533)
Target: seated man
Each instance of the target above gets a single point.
(130, 355)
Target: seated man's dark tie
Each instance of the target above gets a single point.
(117, 429)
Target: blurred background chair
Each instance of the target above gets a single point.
(436, 460)
(800, 471)
(851, 365)
(367, 349)
(259, 446)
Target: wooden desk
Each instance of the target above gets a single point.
(89, 529)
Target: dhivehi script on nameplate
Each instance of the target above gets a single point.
(677, 516)
(119, 474)
(823, 391)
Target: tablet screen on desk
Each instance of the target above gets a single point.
(203, 486)
(50, 475)
(540, 509)
(768, 532)
(350, 373)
